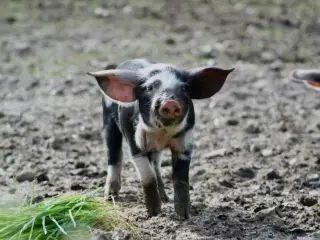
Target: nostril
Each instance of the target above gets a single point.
(165, 110)
(177, 111)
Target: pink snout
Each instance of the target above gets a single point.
(170, 109)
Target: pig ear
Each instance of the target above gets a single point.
(205, 82)
(310, 77)
(119, 85)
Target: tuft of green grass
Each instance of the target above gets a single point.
(61, 217)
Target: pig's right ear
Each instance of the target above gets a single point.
(119, 85)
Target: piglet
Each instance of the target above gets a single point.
(150, 106)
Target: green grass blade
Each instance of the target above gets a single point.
(72, 219)
(31, 230)
(44, 225)
(58, 225)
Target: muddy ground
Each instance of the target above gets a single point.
(255, 171)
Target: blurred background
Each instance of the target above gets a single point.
(255, 172)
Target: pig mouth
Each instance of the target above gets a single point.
(166, 122)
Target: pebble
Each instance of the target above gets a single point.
(101, 12)
(276, 65)
(217, 153)
(267, 56)
(206, 51)
(309, 201)
(273, 174)
(232, 122)
(266, 213)
(80, 164)
(254, 148)
(246, 172)
(22, 48)
(267, 152)
(2, 115)
(313, 177)
(26, 176)
(252, 128)
(116, 234)
(77, 187)
(42, 177)
(226, 183)
(11, 19)
(56, 143)
(170, 41)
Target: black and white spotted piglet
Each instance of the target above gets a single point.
(150, 105)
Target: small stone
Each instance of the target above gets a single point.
(276, 65)
(267, 152)
(12, 190)
(11, 19)
(283, 127)
(217, 153)
(313, 177)
(2, 115)
(246, 172)
(77, 187)
(267, 56)
(58, 91)
(222, 217)
(232, 122)
(56, 143)
(170, 41)
(211, 62)
(252, 128)
(26, 176)
(266, 213)
(22, 48)
(34, 83)
(254, 148)
(273, 174)
(80, 165)
(120, 234)
(101, 12)
(127, 9)
(226, 183)
(206, 51)
(309, 201)
(42, 177)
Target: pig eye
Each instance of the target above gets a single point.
(184, 88)
(155, 85)
(150, 88)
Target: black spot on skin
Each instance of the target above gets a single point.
(154, 72)
(180, 74)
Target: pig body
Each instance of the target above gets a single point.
(150, 106)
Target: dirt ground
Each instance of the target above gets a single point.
(255, 171)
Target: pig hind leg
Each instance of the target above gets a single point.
(113, 141)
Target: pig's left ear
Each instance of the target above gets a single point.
(205, 82)
(310, 77)
(119, 85)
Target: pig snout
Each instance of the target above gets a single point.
(170, 109)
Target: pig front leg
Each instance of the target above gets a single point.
(149, 183)
(180, 175)
(155, 159)
(113, 141)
